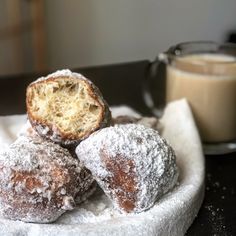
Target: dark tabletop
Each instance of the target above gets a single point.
(122, 84)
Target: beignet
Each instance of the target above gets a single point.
(65, 107)
(39, 180)
(133, 164)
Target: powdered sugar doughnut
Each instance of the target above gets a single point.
(65, 107)
(39, 180)
(89, 184)
(133, 164)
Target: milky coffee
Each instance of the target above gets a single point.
(208, 81)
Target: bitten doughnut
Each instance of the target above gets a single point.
(65, 107)
(133, 164)
(39, 180)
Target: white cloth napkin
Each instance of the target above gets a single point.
(172, 215)
(9, 127)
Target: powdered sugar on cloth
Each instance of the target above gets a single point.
(171, 215)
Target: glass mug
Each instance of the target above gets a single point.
(205, 74)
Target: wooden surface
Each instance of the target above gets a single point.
(122, 84)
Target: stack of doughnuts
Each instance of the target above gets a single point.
(70, 144)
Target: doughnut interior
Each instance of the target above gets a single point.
(68, 102)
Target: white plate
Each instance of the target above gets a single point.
(172, 215)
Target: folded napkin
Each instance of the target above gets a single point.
(171, 215)
(10, 127)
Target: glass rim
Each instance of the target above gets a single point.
(177, 50)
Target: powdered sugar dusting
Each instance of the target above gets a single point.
(62, 73)
(155, 170)
(149, 122)
(39, 180)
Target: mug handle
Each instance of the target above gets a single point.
(151, 75)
